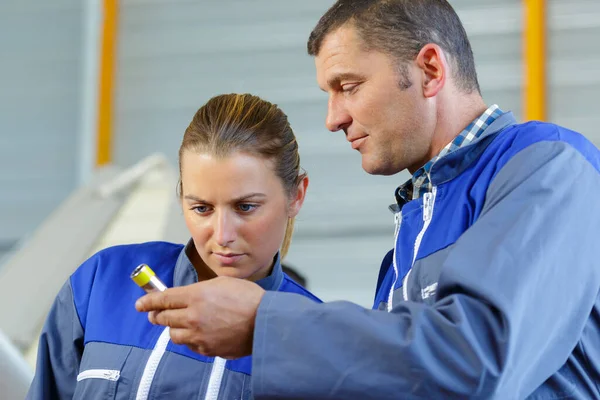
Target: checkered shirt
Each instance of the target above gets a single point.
(420, 182)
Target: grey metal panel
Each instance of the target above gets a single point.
(341, 269)
(39, 109)
(174, 55)
(574, 61)
(495, 31)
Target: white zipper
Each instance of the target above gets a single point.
(216, 376)
(108, 374)
(398, 222)
(428, 203)
(152, 365)
(404, 287)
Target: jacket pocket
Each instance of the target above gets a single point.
(92, 385)
(108, 374)
(101, 374)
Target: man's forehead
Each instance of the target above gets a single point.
(342, 40)
(337, 56)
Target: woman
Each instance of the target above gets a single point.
(240, 189)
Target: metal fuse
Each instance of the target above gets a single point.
(145, 278)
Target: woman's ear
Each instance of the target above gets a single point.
(298, 199)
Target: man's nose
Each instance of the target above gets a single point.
(337, 116)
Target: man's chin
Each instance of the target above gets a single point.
(377, 167)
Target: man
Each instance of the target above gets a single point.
(492, 290)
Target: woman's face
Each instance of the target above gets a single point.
(236, 210)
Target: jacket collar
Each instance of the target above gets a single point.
(185, 273)
(454, 164)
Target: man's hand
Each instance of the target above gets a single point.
(214, 317)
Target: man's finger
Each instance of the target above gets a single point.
(181, 336)
(169, 299)
(178, 318)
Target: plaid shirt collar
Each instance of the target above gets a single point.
(420, 182)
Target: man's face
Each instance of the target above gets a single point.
(390, 126)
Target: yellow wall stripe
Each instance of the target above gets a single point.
(534, 59)
(107, 72)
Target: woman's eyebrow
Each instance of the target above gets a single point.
(237, 199)
(193, 198)
(250, 196)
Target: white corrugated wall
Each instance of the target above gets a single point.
(40, 92)
(173, 55)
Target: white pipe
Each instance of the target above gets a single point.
(15, 374)
(132, 175)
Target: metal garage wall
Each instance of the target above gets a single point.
(174, 55)
(495, 28)
(574, 62)
(40, 53)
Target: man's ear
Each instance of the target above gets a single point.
(432, 62)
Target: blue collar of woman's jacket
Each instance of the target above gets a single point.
(185, 273)
(455, 163)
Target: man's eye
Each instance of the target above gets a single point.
(349, 88)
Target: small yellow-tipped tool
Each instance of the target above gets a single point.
(145, 278)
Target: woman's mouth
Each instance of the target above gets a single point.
(228, 258)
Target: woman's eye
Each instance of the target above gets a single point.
(245, 207)
(200, 209)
